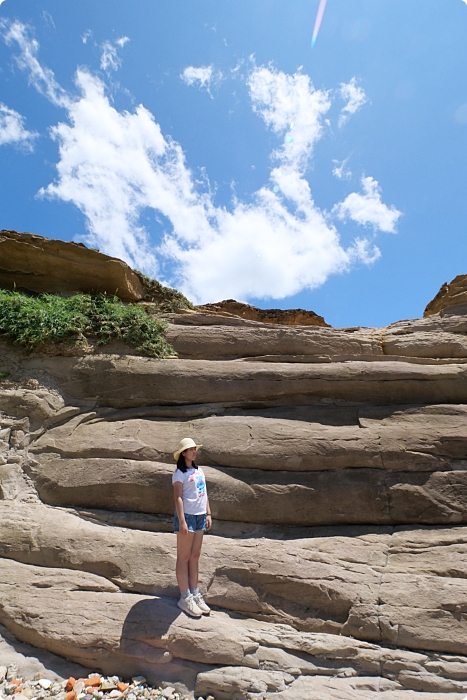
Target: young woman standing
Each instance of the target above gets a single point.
(192, 517)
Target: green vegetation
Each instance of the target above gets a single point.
(166, 298)
(33, 321)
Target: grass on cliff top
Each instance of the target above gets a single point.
(33, 321)
(166, 298)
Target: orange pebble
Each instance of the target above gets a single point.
(18, 689)
(122, 686)
(70, 684)
(15, 681)
(71, 695)
(89, 690)
(92, 682)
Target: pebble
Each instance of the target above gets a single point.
(44, 683)
(95, 687)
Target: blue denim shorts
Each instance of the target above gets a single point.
(194, 522)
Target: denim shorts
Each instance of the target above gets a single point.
(194, 522)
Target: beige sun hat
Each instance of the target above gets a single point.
(185, 444)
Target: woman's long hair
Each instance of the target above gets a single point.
(181, 464)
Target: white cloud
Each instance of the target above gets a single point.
(122, 41)
(289, 105)
(340, 170)
(110, 59)
(12, 129)
(355, 97)
(203, 75)
(367, 209)
(87, 35)
(41, 78)
(107, 163)
(365, 251)
(115, 165)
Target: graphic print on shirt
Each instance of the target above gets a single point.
(199, 483)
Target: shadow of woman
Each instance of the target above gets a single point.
(148, 637)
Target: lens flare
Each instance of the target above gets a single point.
(319, 19)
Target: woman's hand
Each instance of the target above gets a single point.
(183, 528)
(208, 522)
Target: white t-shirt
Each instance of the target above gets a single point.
(194, 490)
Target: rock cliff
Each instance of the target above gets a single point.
(336, 462)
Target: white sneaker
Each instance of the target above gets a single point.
(199, 600)
(189, 606)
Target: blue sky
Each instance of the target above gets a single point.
(208, 145)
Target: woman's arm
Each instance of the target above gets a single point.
(209, 516)
(178, 491)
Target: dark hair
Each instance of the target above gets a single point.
(181, 464)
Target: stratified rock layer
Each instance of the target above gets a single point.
(451, 298)
(336, 462)
(39, 264)
(284, 317)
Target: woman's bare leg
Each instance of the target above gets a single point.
(194, 559)
(184, 548)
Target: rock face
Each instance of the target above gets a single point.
(451, 298)
(336, 462)
(284, 317)
(39, 264)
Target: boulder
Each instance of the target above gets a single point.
(43, 265)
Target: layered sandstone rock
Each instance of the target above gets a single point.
(39, 264)
(336, 462)
(451, 298)
(284, 317)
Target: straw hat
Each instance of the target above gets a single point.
(185, 444)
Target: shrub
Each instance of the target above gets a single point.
(166, 298)
(32, 321)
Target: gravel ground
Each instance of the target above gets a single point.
(94, 687)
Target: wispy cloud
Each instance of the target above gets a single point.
(340, 169)
(355, 97)
(115, 165)
(87, 35)
(368, 209)
(41, 78)
(122, 41)
(12, 129)
(110, 59)
(202, 76)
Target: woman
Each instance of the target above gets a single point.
(192, 517)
